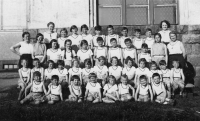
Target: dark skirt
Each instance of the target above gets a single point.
(27, 57)
(178, 57)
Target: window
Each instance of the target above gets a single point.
(137, 12)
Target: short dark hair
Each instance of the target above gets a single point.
(127, 40)
(165, 21)
(113, 39)
(155, 74)
(68, 40)
(38, 35)
(75, 77)
(148, 29)
(137, 30)
(84, 26)
(55, 77)
(114, 57)
(60, 62)
(50, 24)
(143, 77)
(153, 63)
(65, 30)
(84, 42)
(36, 73)
(54, 40)
(158, 34)
(144, 45)
(110, 26)
(50, 61)
(173, 32)
(88, 61)
(99, 39)
(124, 76)
(111, 76)
(125, 28)
(142, 60)
(128, 59)
(98, 28)
(24, 33)
(101, 58)
(73, 27)
(92, 75)
(162, 62)
(36, 59)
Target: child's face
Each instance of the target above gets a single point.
(37, 78)
(148, 33)
(114, 62)
(111, 81)
(51, 27)
(100, 43)
(144, 50)
(24, 63)
(84, 46)
(142, 64)
(97, 32)
(26, 37)
(124, 33)
(74, 31)
(55, 82)
(87, 66)
(164, 26)
(176, 64)
(114, 43)
(60, 66)
(157, 38)
(54, 45)
(76, 81)
(129, 64)
(128, 44)
(92, 79)
(137, 34)
(156, 79)
(110, 31)
(84, 30)
(39, 39)
(50, 65)
(163, 67)
(123, 80)
(75, 63)
(68, 44)
(36, 64)
(63, 34)
(172, 37)
(101, 62)
(143, 82)
(153, 67)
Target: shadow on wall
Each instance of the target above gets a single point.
(189, 73)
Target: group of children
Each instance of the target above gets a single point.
(107, 68)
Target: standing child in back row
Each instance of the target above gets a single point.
(97, 31)
(165, 25)
(62, 38)
(123, 37)
(111, 35)
(149, 39)
(137, 40)
(86, 36)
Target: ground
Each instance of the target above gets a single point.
(10, 109)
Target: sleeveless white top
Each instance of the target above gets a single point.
(130, 72)
(54, 55)
(147, 56)
(49, 36)
(55, 90)
(158, 88)
(75, 40)
(175, 49)
(149, 41)
(93, 87)
(123, 89)
(48, 74)
(140, 71)
(38, 69)
(69, 54)
(86, 72)
(151, 72)
(87, 37)
(25, 74)
(165, 73)
(115, 71)
(95, 40)
(26, 48)
(110, 88)
(101, 71)
(122, 41)
(144, 90)
(165, 36)
(75, 90)
(176, 73)
(137, 42)
(61, 41)
(74, 71)
(109, 37)
(127, 52)
(100, 51)
(115, 52)
(37, 87)
(61, 73)
(84, 54)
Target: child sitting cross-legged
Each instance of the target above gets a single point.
(111, 91)
(93, 89)
(75, 90)
(37, 90)
(124, 89)
(143, 92)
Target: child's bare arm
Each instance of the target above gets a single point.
(136, 94)
(108, 56)
(136, 58)
(80, 93)
(91, 57)
(100, 97)
(45, 91)
(27, 88)
(29, 76)
(117, 93)
(171, 76)
(13, 48)
(61, 96)
(20, 75)
(104, 93)
(133, 91)
(151, 93)
(86, 93)
(49, 90)
(69, 79)
(66, 77)
(166, 55)
(121, 54)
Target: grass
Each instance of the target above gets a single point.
(10, 109)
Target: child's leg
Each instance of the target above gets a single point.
(72, 98)
(21, 91)
(90, 97)
(96, 100)
(181, 86)
(107, 100)
(29, 97)
(112, 96)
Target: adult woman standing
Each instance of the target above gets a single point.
(39, 49)
(25, 50)
(176, 50)
(50, 34)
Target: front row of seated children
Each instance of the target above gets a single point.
(111, 91)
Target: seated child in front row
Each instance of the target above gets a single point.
(124, 89)
(54, 93)
(24, 74)
(93, 90)
(115, 70)
(143, 90)
(111, 91)
(37, 90)
(177, 77)
(159, 90)
(75, 90)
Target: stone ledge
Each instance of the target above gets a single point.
(194, 59)
(9, 75)
(191, 38)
